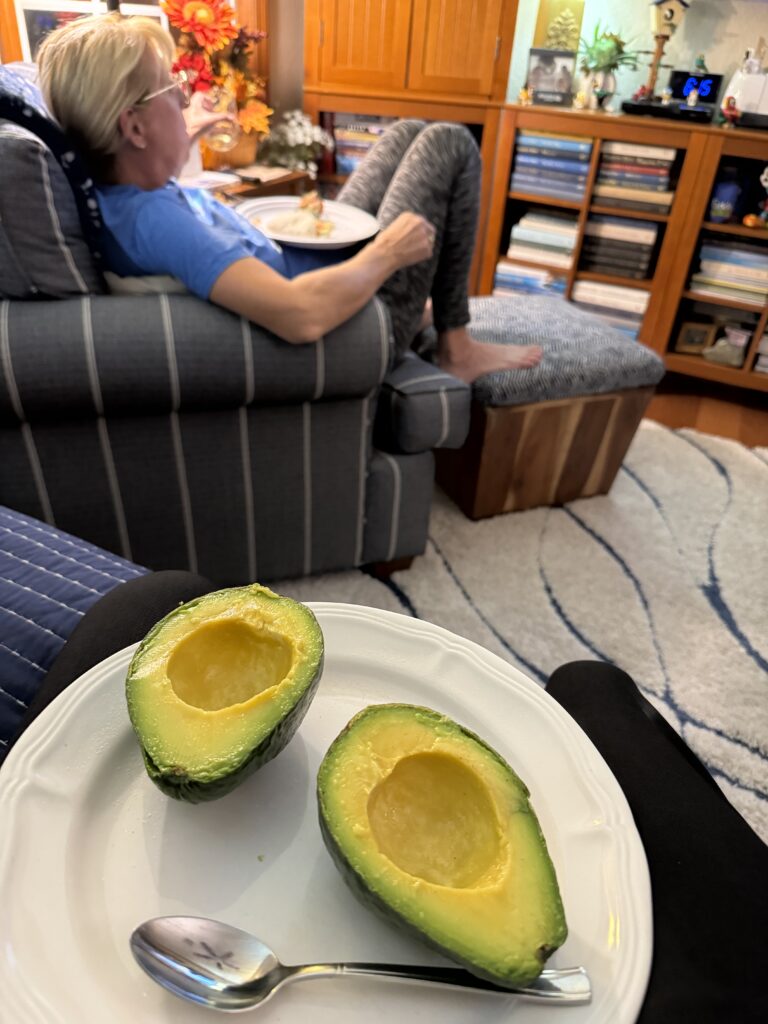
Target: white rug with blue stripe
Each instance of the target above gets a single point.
(666, 577)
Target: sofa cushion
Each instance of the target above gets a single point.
(582, 354)
(45, 196)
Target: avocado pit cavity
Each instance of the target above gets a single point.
(227, 662)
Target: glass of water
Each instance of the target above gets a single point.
(223, 135)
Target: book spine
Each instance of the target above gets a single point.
(554, 154)
(643, 195)
(616, 233)
(553, 175)
(639, 151)
(543, 238)
(734, 270)
(632, 181)
(544, 179)
(555, 191)
(538, 255)
(631, 204)
(555, 142)
(635, 168)
(735, 257)
(572, 166)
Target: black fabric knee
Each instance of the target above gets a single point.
(120, 618)
(708, 868)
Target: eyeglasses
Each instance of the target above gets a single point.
(180, 81)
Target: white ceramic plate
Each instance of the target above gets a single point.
(350, 225)
(89, 848)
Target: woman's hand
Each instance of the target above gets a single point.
(410, 238)
(199, 117)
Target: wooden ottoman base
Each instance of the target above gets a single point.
(546, 453)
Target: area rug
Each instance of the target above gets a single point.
(665, 577)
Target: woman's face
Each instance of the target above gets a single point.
(162, 137)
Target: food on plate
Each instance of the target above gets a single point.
(431, 827)
(219, 686)
(305, 221)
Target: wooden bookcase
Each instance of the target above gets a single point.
(702, 148)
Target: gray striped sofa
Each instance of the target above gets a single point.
(177, 435)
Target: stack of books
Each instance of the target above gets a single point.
(733, 270)
(354, 136)
(623, 308)
(551, 165)
(620, 247)
(547, 238)
(635, 177)
(513, 279)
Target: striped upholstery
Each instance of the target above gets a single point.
(48, 580)
(582, 354)
(180, 436)
(421, 407)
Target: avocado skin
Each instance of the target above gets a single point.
(181, 787)
(373, 901)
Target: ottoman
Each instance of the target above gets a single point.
(559, 431)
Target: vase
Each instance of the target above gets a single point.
(241, 154)
(600, 87)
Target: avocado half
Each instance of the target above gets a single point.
(219, 686)
(431, 828)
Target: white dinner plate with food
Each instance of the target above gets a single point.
(90, 848)
(271, 214)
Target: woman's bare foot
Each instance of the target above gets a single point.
(460, 354)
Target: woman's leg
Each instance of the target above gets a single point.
(433, 170)
(708, 868)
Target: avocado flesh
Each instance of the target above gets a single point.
(431, 827)
(220, 685)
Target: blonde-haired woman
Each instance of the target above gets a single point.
(108, 82)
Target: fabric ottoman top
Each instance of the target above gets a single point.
(582, 354)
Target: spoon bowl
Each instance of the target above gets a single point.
(224, 968)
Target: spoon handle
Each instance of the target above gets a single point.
(554, 985)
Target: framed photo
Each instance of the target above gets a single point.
(693, 338)
(551, 75)
(36, 18)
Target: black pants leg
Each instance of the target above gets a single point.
(709, 870)
(122, 617)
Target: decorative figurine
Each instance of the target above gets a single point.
(666, 97)
(693, 97)
(729, 112)
(700, 65)
(666, 16)
(580, 100)
(759, 220)
(524, 97)
(642, 94)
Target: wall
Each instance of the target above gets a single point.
(286, 54)
(721, 29)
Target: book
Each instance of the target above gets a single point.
(613, 270)
(639, 169)
(617, 249)
(564, 187)
(738, 257)
(555, 191)
(550, 163)
(736, 286)
(634, 149)
(565, 223)
(716, 292)
(561, 143)
(539, 255)
(734, 271)
(619, 229)
(630, 181)
(634, 194)
(632, 204)
(612, 295)
(555, 154)
(550, 239)
(564, 176)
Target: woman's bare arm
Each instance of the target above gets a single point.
(307, 307)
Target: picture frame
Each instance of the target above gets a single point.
(693, 338)
(551, 76)
(36, 18)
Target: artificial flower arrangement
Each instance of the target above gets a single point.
(296, 144)
(213, 50)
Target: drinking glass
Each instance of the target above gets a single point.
(223, 135)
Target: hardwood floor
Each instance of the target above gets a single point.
(712, 408)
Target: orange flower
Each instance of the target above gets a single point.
(211, 22)
(254, 117)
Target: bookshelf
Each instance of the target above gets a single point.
(682, 226)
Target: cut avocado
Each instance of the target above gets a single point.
(219, 686)
(433, 829)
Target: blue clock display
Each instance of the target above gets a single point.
(682, 83)
(704, 85)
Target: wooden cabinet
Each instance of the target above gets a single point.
(447, 48)
(683, 228)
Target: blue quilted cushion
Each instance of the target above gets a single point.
(582, 354)
(48, 580)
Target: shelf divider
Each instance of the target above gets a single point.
(594, 163)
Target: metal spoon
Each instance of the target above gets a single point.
(227, 969)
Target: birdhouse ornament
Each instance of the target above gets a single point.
(666, 16)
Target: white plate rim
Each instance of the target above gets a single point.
(366, 223)
(621, 1005)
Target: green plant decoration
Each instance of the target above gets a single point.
(607, 51)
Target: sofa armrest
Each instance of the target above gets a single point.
(116, 355)
(421, 407)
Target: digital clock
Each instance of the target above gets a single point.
(682, 83)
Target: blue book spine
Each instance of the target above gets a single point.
(550, 142)
(543, 186)
(545, 178)
(555, 154)
(532, 172)
(548, 238)
(526, 160)
(735, 256)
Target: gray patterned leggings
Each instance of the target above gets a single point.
(434, 170)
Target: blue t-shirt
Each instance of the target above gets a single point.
(188, 234)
